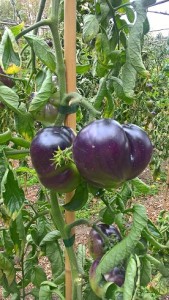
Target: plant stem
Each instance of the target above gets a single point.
(54, 27)
(146, 234)
(36, 25)
(59, 223)
(70, 226)
(10, 153)
(159, 265)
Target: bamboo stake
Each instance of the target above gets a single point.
(70, 62)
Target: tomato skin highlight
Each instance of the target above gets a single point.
(62, 179)
(96, 244)
(107, 153)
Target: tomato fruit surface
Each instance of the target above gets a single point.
(96, 244)
(116, 275)
(107, 153)
(46, 142)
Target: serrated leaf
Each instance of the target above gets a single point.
(7, 242)
(101, 93)
(81, 257)
(91, 27)
(30, 260)
(9, 50)
(47, 289)
(140, 186)
(55, 256)
(24, 123)
(123, 249)
(38, 275)
(42, 51)
(12, 194)
(130, 278)
(82, 69)
(45, 293)
(17, 233)
(79, 198)
(50, 237)
(130, 14)
(135, 39)
(17, 29)
(43, 95)
(8, 269)
(119, 90)
(145, 272)
(9, 98)
(129, 79)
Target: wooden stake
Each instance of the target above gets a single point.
(70, 62)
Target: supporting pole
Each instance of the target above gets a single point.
(70, 62)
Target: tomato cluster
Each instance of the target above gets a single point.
(97, 248)
(105, 154)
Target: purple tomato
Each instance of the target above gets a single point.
(96, 244)
(46, 142)
(107, 153)
(116, 275)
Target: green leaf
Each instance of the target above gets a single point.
(43, 95)
(7, 242)
(42, 51)
(91, 27)
(102, 90)
(3, 166)
(146, 26)
(123, 249)
(145, 276)
(119, 90)
(12, 194)
(50, 237)
(130, 278)
(140, 186)
(82, 69)
(130, 14)
(8, 269)
(123, 39)
(30, 260)
(81, 257)
(38, 276)
(5, 136)
(9, 50)
(47, 289)
(129, 80)
(55, 256)
(134, 40)
(18, 236)
(79, 198)
(9, 98)
(24, 123)
(45, 293)
(17, 29)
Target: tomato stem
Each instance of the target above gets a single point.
(70, 226)
(60, 224)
